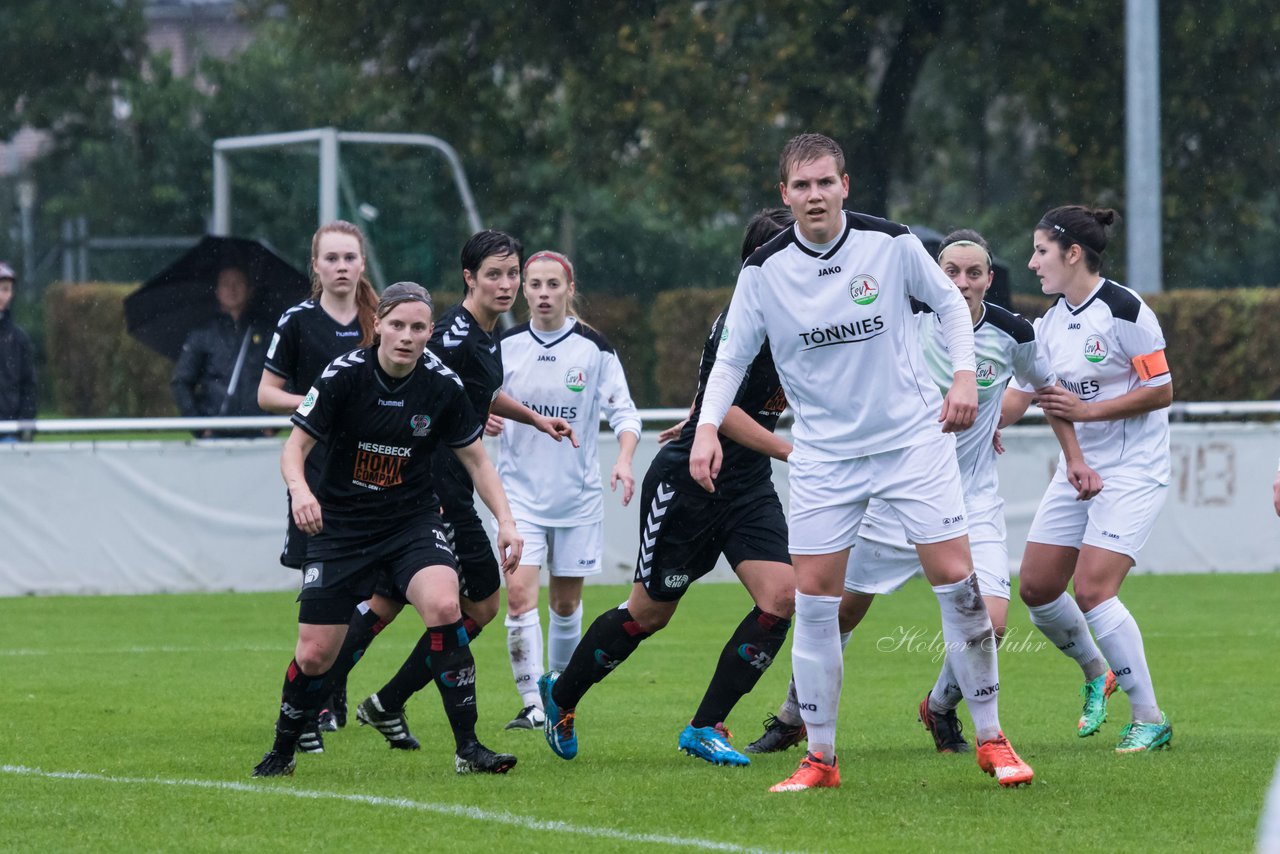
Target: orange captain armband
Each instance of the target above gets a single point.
(1151, 365)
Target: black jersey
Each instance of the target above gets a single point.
(306, 340)
(760, 396)
(473, 354)
(381, 432)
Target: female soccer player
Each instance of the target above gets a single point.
(383, 409)
(464, 340)
(833, 298)
(882, 559)
(683, 532)
(558, 366)
(1107, 349)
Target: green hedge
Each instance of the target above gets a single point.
(1219, 345)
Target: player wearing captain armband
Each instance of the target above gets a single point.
(1107, 349)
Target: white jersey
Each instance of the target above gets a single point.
(1096, 349)
(1005, 348)
(843, 337)
(572, 374)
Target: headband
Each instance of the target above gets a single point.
(548, 255)
(966, 243)
(403, 292)
(1068, 235)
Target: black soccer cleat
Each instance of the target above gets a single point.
(778, 736)
(944, 727)
(275, 764)
(475, 758)
(393, 725)
(327, 720)
(311, 739)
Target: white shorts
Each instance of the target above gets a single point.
(921, 483)
(1118, 519)
(876, 567)
(574, 552)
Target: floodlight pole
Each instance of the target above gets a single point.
(329, 140)
(1145, 267)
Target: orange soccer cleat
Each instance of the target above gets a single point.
(813, 773)
(997, 758)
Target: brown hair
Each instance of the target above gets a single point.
(366, 296)
(402, 292)
(808, 147)
(1076, 225)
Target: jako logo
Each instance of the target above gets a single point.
(864, 289)
(545, 358)
(575, 379)
(1095, 349)
(676, 580)
(1123, 671)
(986, 373)
(827, 271)
(1071, 326)
(809, 707)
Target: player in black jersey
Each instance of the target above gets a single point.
(382, 410)
(683, 532)
(464, 339)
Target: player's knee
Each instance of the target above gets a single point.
(313, 658)
(564, 603)
(519, 602)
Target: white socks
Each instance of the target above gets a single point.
(789, 711)
(818, 668)
(971, 649)
(1121, 642)
(1062, 622)
(563, 637)
(524, 646)
(946, 694)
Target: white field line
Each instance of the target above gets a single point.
(473, 813)
(148, 650)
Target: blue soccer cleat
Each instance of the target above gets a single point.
(712, 744)
(558, 726)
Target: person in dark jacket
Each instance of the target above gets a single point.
(216, 374)
(17, 364)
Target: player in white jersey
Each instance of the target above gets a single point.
(882, 560)
(560, 368)
(833, 297)
(1107, 349)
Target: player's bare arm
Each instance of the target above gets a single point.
(489, 487)
(506, 406)
(306, 509)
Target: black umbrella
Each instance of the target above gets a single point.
(181, 297)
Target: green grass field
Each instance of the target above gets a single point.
(132, 723)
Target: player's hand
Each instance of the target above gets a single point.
(510, 546)
(1087, 482)
(671, 432)
(306, 513)
(996, 443)
(622, 472)
(1056, 400)
(706, 456)
(493, 426)
(960, 406)
(558, 428)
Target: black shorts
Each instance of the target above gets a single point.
(478, 571)
(682, 534)
(341, 574)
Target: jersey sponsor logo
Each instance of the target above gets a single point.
(776, 403)
(546, 358)
(549, 410)
(309, 402)
(377, 471)
(271, 350)
(1086, 390)
(827, 271)
(382, 402)
(852, 332)
(986, 373)
(456, 333)
(575, 379)
(1095, 348)
(421, 424)
(864, 289)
